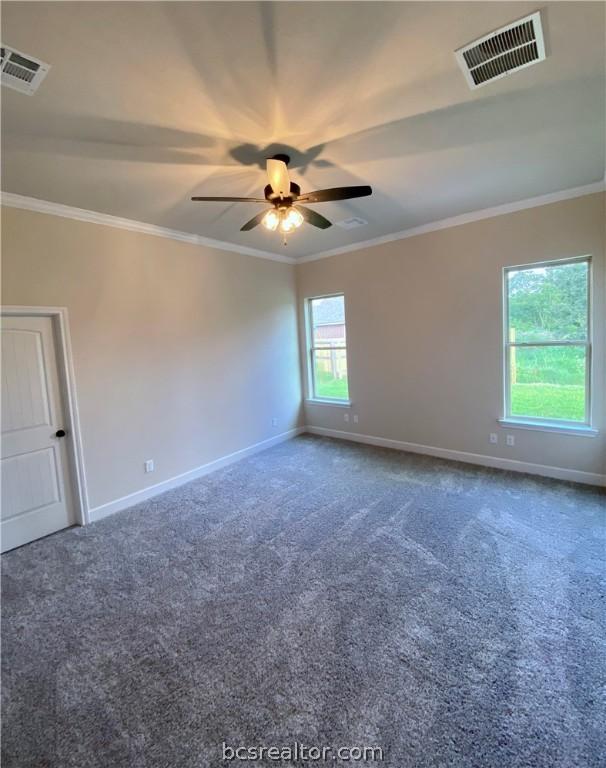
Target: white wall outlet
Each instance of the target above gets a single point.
(274, 422)
(149, 465)
(355, 418)
(345, 417)
(494, 438)
(511, 440)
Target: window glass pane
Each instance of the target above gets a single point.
(330, 373)
(328, 322)
(548, 382)
(548, 303)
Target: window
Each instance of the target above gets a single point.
(547, 343)
(327, 348)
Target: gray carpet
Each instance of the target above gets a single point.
(321, 592)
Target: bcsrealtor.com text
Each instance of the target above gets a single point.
(301, 752)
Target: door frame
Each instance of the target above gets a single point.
(67, 384)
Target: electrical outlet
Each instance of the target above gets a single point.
(494, 438)
(511, 440)
(149, 465)
(355, 418)
(274, 422)
(345, 417)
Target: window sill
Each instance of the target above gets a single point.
(565, 429)
(319, 401)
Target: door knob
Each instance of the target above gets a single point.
(60, 433)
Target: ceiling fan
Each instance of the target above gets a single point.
(285, 196)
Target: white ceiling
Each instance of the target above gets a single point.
(148, 103)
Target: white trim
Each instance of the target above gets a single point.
(117, 505)
(465, 218)
(12, 200)
(320, 401)
(65, 364)
(560, 473)
(582, 430)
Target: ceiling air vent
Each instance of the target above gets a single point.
(22, 72)
(352, 223)
(513, 47)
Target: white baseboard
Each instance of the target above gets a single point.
(117, 505)
(559, 473)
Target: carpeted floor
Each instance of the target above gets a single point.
(324, 593)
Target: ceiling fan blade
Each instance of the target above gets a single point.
(255, 221)
(279, 180)
(313, 218)
(230, 199)
(337, 193)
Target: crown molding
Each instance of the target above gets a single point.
(11, 200)
(465, 218)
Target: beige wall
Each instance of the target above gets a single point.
(182, 353)
(424, 329)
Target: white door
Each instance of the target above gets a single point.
(36, 488)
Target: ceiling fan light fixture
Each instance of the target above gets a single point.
(291, 219)
(271, 220)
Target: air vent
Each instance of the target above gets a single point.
(21, 72)
(514, 47)
(352, 223)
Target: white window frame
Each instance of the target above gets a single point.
(311, 370)
(563, 425)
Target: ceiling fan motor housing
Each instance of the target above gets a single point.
(273, 197)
